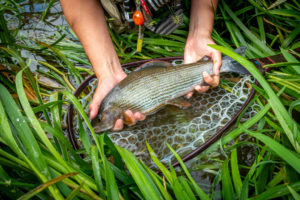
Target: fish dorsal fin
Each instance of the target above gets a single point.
(153, 64)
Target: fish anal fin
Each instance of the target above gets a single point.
(179, 103)
(153, 64)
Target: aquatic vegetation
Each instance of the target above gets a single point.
(37, 161)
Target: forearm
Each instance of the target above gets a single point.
(202, 17)
(87, 20)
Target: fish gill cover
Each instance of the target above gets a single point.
(183, 129)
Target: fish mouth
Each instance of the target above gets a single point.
(100, 129)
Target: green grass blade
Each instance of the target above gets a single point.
(117, 158)
(159, 182)
(261, 28)
(74, 72)
(96, 169)
(7, 135)
(282, 64)
(268, 51)
(292, 36)
(236, 177)
(285, 120)
(294, 193)
(227, 187)
(290, 58)
(284, 153)
(75, 192)
(140, 175)
(111, 185)
(276, 192)
(196, 188)
(31, 116)
(47, 105)
(84, 137)
(25, 134)
(185, 185)
(81, 111)
(228, 25)
(38, 128)
(179, 191)
(277, 178)
(28, 73)
(162, 168)
(44, 186)
(64, 141)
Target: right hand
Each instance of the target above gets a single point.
(104, 86)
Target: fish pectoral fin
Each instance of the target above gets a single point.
(179, 103)
(153, 64)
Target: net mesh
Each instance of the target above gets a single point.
(184, 129)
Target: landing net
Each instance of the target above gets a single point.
(184, 129)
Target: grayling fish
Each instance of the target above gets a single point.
(155, 85)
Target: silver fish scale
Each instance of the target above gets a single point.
(183, 129)
(153, 90)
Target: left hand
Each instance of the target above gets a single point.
(195, 49)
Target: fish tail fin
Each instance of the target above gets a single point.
(231, 65)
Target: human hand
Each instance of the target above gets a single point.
(104, 86)
(195, 49)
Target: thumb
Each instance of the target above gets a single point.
(95, 103)
(188, 59)
(217, 59)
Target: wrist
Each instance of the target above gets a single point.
(199, 37)
(109, 70)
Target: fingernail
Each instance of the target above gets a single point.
(198, 87)
(205, 73)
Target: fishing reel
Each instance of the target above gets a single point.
(149, 17)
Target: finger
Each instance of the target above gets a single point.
(129, 118)
(207, 78)
(95, 103)
(189, 95)
(119, 124)
(217, 59)
(216, 81)
(201, 89)
(190, 56)
(139, 116)
(188, 59)
(211, 80)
